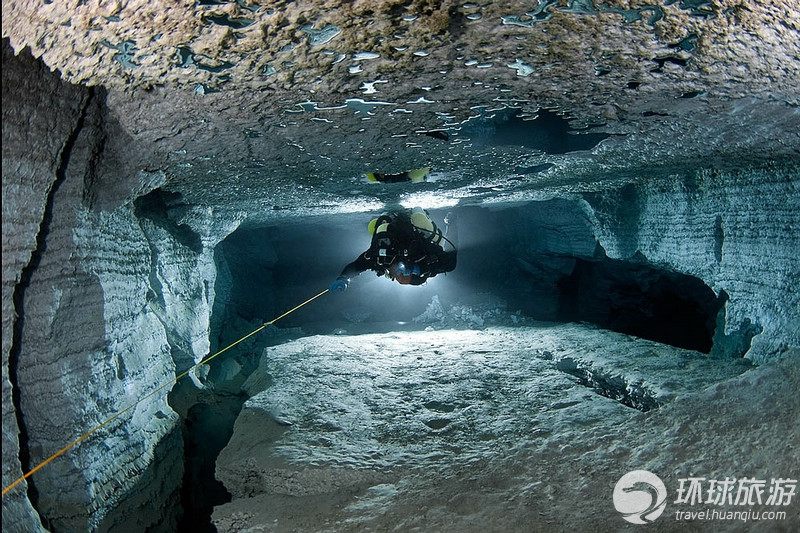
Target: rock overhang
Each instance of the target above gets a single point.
(277, 110)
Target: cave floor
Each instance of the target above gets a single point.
(520, 428)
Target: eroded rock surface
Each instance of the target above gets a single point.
(671, 84)
(566, 481)
(31, 156)
(83, 336)
(316, 45)
(728, 230)
(340, 430)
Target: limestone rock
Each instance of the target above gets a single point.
(727, 229)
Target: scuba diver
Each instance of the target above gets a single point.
(406, 247)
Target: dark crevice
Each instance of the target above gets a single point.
(719, 238)
(97, 149)
(21, 287)
(675, 60)
(636, 298)
(207, 428)
(208, 416)
(616, 387)
(159, 206)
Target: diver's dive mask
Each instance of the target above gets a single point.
(404, 269)
(406, 274)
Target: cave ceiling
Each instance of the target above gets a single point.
(280, 107)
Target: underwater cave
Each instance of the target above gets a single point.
(400, 266)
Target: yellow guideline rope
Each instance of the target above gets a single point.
(161, 387)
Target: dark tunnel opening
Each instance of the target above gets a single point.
(640, 300)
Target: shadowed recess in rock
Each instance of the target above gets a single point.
(207, 427)
(162, 207)
(612, 386)
(546, 131)
(236, 23)
(641, 300)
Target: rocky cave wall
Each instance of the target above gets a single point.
(737, 232)
(91, 284)
(27, 176)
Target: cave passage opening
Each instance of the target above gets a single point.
(518, 258)
(536, 262)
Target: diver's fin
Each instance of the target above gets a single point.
(418, 175)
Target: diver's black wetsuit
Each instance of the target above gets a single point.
(411, 245)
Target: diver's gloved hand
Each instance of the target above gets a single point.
(339, 285)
